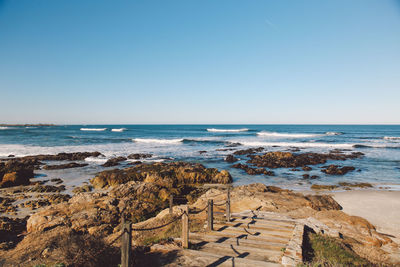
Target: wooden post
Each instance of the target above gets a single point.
(228, 205)
(185, 227)
(171, 203)
(126, 244)
(210, 220)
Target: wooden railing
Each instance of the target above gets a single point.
(126, 236)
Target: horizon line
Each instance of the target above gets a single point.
(70, 124)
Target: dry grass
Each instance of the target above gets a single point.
(62, 246)
(168, 233)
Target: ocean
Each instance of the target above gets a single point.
(379, 143)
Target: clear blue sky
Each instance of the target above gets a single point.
(200, 61)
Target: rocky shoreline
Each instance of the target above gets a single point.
(36, 211)
(273, 160)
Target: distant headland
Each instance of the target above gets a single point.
(28, 124)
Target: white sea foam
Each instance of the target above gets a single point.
(96, 160)
(147, 160)
(158, 141)
(118, 130)
(94, 129)
(4, 128)
(108, 150)
(26, 150)
(227, 130)
(333, 133)
(391, 138)
(287, 135)
(294, 144)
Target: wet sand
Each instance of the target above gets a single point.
(381, 208)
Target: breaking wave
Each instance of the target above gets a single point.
(204, 141)
(391, 138)
(286, 135)
(294, 144)
(227, 130)
(333, 133)
(118, 130)
(376, 146)
(94, 129)
(158, 141)
(180, 140)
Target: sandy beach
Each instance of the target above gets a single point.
(381, 208)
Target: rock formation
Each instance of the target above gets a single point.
(65, 166)
(249, 151)
(290, 160)
(113, 161)
(168, 174)
(139, 156)
(14, 172)
(337, 170)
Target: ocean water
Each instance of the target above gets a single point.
(379, 143)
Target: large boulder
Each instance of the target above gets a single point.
(280, 159)
(113, 161)
(248, 151)
(253, 171)
(337, 170)
(83, 212)
(10, 228)
(271, 198)
(321, 202)
(173, 174)
(139, 156)
(231, 159)
(65, 166)
(14, 172)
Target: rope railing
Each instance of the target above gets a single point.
(160, 226)
(126, 234)
(220, 204)
(199, 211)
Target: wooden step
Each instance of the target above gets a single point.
(255, 232)
(244, 235)
(259, 226)
(258, 221)
(237, 241)
(211, 260)
(283, 224)
(267, 219)
(238, 251)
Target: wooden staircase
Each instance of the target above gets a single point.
(244, 241)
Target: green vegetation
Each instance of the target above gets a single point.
(322, 250)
